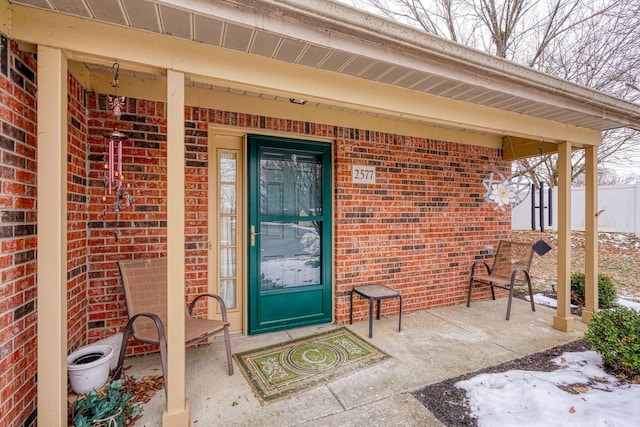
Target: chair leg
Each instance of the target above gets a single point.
(400, 315)
(227, 343)
(533, 306)
(370, 318)
(163, 361)
(162, 343)
(351, 308)
(123, 350)
(509, 303)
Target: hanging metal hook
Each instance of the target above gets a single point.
(116, 82)
(540, 146)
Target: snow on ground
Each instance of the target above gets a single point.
(552, 302)
(625, 303)
(534, 398)
(544, 300)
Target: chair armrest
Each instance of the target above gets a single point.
(514, 273)
(223, 307)
(129, 331)
(476, 264)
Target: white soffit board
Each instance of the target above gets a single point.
(313, 56)
(208, 30)
(237, 37)
(142, 15)
(357, 66)
(175, 22)
(394, 75)
(335, 61)
(107, 11)
(73, 7)
(264, 44)
(289, 50)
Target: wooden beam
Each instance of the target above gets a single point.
(52, 236)
(563, 320)
(591, 235)
(177, 408)
(514, 148)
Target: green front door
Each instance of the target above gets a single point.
(289, 235)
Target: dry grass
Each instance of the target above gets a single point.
(619, 257)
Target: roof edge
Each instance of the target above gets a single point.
(349, 20)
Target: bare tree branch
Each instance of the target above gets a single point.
(594, 43)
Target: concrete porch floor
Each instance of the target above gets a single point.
(434, 345)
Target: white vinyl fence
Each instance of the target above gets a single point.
(620, 206)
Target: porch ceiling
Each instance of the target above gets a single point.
(336, 38)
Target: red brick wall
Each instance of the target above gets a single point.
(18, 240)
(18, 193)
(418, 229)
(137, 231)
(77, 277)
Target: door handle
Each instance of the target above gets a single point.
(253, 235)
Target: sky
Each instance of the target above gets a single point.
(534, 398)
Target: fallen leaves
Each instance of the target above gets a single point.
(580, 388)
(142, 390)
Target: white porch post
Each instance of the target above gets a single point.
(591, 234)
(177, 408)
(52, 236)
(563, 319)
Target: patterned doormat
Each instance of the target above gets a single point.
(284, 369)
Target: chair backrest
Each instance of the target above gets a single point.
(145, 289)
(512, 256)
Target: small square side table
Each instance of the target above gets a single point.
(375, 293)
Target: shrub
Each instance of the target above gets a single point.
(606, 291)
(615, 334)
(106, 407)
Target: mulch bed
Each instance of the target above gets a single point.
(449, 404)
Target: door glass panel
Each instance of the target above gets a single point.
(228, 167)
(228, 292)
(290, 254)
(290, 184)
(227, 272)
(228, 230)
(227, 262)
(227, 198)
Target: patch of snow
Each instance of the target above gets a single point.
(534, 398)
(552, 302)
(545, 300)
(629, 304)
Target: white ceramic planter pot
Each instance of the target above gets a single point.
(88, 368)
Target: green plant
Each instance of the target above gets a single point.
(105, 408)
(615, 334)
(606, 291)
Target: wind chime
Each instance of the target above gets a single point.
(114, 179)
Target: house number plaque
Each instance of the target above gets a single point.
(363, 174)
